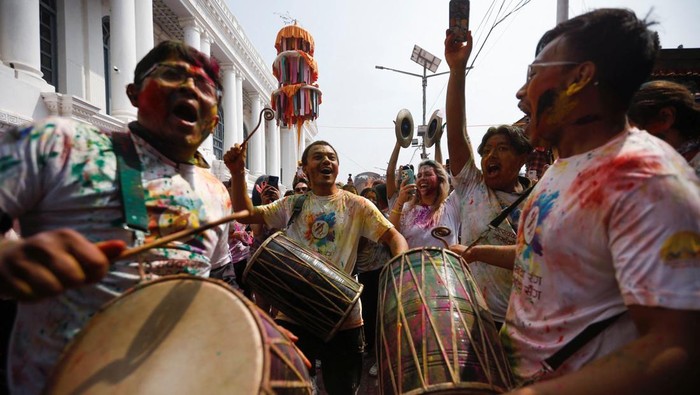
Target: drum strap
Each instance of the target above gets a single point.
(298, 203)
(130, 183)
(579, 341)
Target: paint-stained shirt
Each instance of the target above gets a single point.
(479, 206)
(60, 173)
(616, 226)
(418, 221)
(332, 226)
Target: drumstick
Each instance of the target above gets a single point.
(441, 231)
(179, 235)
(269, 116)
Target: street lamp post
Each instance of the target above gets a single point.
(429, 62)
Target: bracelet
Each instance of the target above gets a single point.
(395, 211)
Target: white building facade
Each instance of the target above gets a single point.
(74, 58)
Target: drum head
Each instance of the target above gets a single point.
(177, 335)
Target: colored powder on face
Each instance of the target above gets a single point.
(152, 101)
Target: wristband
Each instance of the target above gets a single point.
(395, 211)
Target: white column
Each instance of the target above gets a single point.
(19, 39)
(205, 43)
(239, 106)
(144, 28)
(288, 154)
(272, 148)
(122, 43)
(72, 42)
(255, 145)
(229, 105)
(192, 32)
(94, 70)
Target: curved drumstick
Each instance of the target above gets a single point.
(269, 116)
(179, 235)
(439, 232)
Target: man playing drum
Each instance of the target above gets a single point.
(605, 296)
(331, 222)
(59, 178)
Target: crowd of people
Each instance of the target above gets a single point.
(590, 268)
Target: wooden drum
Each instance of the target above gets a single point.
(180, 335)
(302, 284)
(435, 333)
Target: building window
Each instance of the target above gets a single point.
(107, 66)
(48, 45)
(219, 136)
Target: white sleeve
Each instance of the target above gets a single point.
(654, 236)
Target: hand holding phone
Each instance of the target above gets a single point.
(408, 175)
(459, 19)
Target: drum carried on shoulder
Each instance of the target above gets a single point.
(302, 284)
(435, 333)
(180, 335)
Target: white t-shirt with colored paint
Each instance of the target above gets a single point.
(418, 221)
(616, 226)
(63, 174)
(332, 226)
(479, 206)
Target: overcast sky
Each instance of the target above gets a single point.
(360, 102)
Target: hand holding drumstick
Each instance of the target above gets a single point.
(52, 262)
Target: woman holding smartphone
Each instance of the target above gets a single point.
(424, 204)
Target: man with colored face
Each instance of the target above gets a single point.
(331, 222)
(61, 181)
(483, 193)
(605, 296)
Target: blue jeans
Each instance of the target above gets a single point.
(341, 357)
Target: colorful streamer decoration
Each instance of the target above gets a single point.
(298, 97)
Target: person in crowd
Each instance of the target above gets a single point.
(301, 186)
(605, 297)
(382, 202)
(350, 188)
(330, 222)
(484, 193)
(370, 194)
(668, 111)
(424, 205)
(60, 181)
(371, 259)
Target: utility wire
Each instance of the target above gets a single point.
(518, 6)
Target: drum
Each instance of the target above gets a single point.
(180, 335)
(302, 284)
(435, 333)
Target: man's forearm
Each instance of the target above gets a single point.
(239, 193)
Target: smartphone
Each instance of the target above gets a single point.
(273, 181)
(407, 174)
(459, 19)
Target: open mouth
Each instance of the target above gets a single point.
(327, 171)
(492, 169)
(185, 112)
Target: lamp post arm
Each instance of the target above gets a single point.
(398, 71)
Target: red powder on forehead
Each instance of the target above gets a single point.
(617, 174)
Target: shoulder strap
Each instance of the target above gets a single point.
(130, 183)
(298, 203)
(579, 341)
